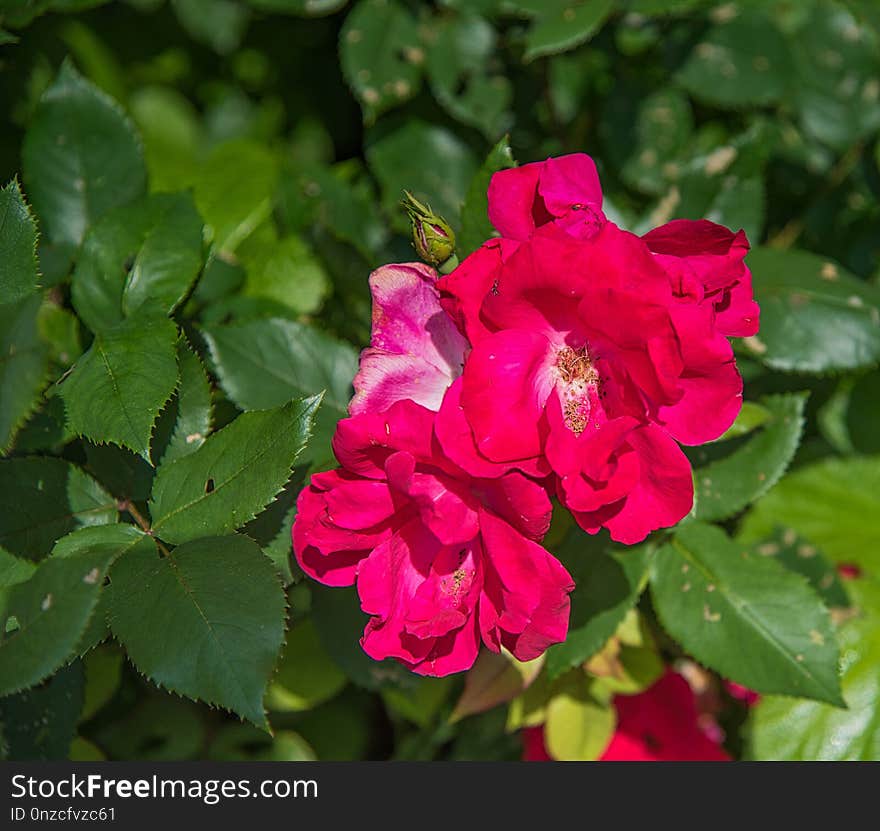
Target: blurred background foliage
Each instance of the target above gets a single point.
(297, 123)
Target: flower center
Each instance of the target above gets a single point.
(578, 386)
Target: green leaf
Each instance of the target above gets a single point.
(271, 529)
(45, 430)
(664, 124)
(59, 330)
(82, 750)
(172, 136)
(156, 728)
(220, 24)
(475, 225)
(340, 623)
(751, 416)
(564, 24)
(742, 62)
(860, 416)
(232, 476)
(834, 504)
(234, 191)
(837, 66)
(607, 584)
(722, 604)
(419, 699)
(207, 621)
(42, 499)
(44, 617)
(287, 272)
(305, 8)
(115, 540)
(787, 729)
(802, 557)
(381, 55)
(265, 363)
(103, 668)
(81, 158)
(429, 161)
(13, 569)
(40, 724)
(244, 743)
(142, 258)
(815, 316)
(115, 391)
(461, 75)
(18, 246)
(726, 486)
(24, 365)
(186, 421)
(578, 727)
(306, 675)
(341, 199)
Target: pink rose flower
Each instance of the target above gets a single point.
(584, 364)
(661, 724)
(442, 560)
(564, 191)
(415, 350)
(704, 262)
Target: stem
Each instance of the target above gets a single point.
(449, 265)
(128, 506)
(136, 515)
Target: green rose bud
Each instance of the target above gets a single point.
(432, 237)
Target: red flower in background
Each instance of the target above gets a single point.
(660, 724)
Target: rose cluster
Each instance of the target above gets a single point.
(565, 357)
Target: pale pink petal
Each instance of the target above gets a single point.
(415, 349)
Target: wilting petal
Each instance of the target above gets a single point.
(737, 313)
